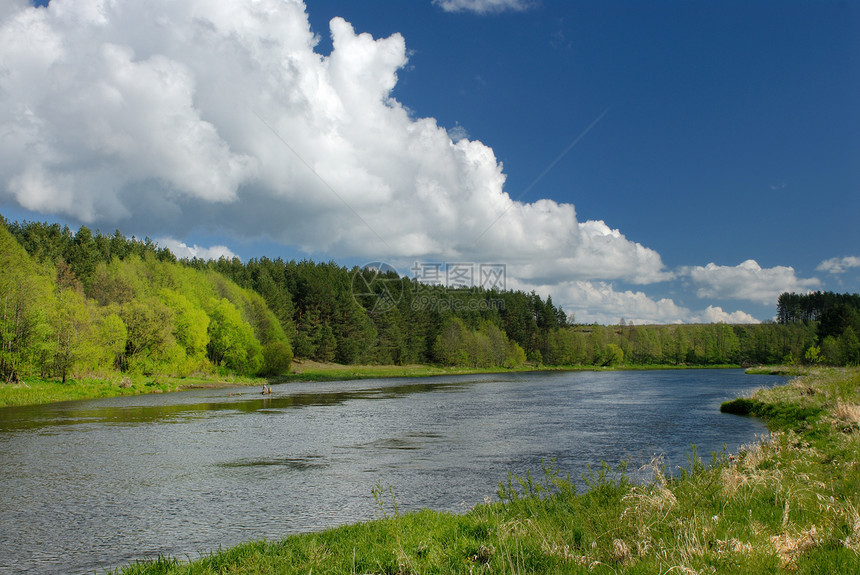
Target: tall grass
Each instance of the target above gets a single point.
(787, 503)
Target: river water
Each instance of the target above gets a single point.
(90, 485)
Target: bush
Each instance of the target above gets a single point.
(277, 358)
(742, 406)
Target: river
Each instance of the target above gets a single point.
(91, 485)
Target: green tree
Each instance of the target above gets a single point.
(515, 356)
(71, 328)
(496, 343)
(596, 347)
(813, 355)
(850, 345)
(112, 338)
(327, 347)
(231, 340)
(25, 297)
(277, 358)
(303, 344)
(451, 343)
(113, 283)
(613, 355)
(82, 254)
(149, 325)
(190, 323)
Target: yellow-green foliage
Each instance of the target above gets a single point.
(179, 318)
(190, 323)
(486, 346)
(112, 337)
(137, 315)
(26, 302)
(231, 341)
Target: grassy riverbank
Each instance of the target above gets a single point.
(308, 370)
(40, 391)
(790, 502)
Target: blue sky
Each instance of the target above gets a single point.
(723, 117)
(722, 163)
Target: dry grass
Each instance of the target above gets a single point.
(791, 545)
(847, 416)
(620, 552)
(852, 541)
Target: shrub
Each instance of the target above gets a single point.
(277, 358)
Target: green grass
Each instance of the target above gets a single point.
(789, 370)
(787, 503)
(308, 370)
(38, 391)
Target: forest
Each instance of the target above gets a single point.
(75, 304)
(835, 318)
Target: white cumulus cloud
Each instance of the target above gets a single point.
(600, 302)
(747, 281)
(220, 115)
(715, 314)
(839, 265)
(181, 250)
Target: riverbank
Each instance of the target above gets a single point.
(309, 370)
(40, 391)
(790, 502)
(36, 391)
(786, 370)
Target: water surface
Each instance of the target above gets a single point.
(88, 485)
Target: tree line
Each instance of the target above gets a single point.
(682, 344)
(89, 303)
(78, 303)
(356, 315)
(834, 319)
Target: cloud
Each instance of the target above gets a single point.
(599, 302)
(182, 250)
(747, 281)
(220, 116)
(715, 314)
(11, 6)
(483, 6)
(458, 133)
(839, 265)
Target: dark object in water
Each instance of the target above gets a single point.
(742, 406)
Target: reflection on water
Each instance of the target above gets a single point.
(170, 407)
(296, 463)
(89, 485)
